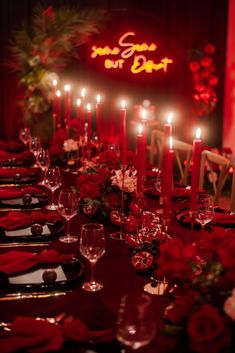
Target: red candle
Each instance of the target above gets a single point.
(54, 83)
(123, 133)
(67, 104)
(167, 171)
(195, 169)
(167, 131)
(58, 108)
(144, 125)
(89, 122)
(141, 157)
(98, 115)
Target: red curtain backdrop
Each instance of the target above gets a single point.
(183, 25)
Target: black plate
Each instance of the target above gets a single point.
(55, 231)
(25, 202)
(73, 271)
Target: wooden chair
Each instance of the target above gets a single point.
(155, 148)
(208, 160)
(183, 154)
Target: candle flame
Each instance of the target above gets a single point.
(198, 133)
(140, 129)
(123, 104)
(67, 88)
(144, 113)
(88, 107)
(98, 98)
(58, 93)
(78, 102)
(170, 118)
(83, 92)
(171, 142)
(54, 82)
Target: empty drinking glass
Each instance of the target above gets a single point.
(68, 208)
(205, 210)
(136, 325)
(24, 135)
(52, 180)
(92, 246)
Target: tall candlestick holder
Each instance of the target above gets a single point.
(120, 235)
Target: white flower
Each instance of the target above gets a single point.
(48, 78)
(70, 145)
(229, 307)
(128, 183)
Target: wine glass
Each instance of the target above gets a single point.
(52, 180)
(136, 325)
(34, 146)
(25, 135)
(92, 246)
(68, 208)
(205, 210)
(43, 161)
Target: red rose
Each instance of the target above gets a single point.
(175, 260)
(179, 310)
(83, 179)
(225, 254)
(206, 61)
(112, 201)
(209, 49)
(102, 175)
(208, 330)
(194, 66)
(213, 80)
(90, 190)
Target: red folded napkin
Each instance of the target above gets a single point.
(224, 219)
(11, 172)
(23, 156)
(11, 146)
(13, 262)
(15, 219)
(15, 192)
(39, 336)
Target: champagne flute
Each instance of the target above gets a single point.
(136, 325)
(205, 210)
(53, 181)
(68, 208)
(25, 135)
(92, 246)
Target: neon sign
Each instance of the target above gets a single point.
(126, 49)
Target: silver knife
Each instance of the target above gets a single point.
(32, 295)
(15, 244)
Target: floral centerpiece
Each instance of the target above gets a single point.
(203, 312)
(104, 189)
(204, 79)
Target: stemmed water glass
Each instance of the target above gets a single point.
(25, 135)
(136, 325)
(92, 246)
(43, 161)
(205, 210)
(52, 180)
(34, 146)
(68, 208)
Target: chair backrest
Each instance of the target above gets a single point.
(208, 161)
(155, 148)
(183, 156)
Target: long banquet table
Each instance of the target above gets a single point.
(99, 310)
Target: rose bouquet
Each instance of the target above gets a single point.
(101, 189)
(203, 311)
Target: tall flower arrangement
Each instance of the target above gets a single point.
(203, 311)
(204, 79)
(43, 48)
